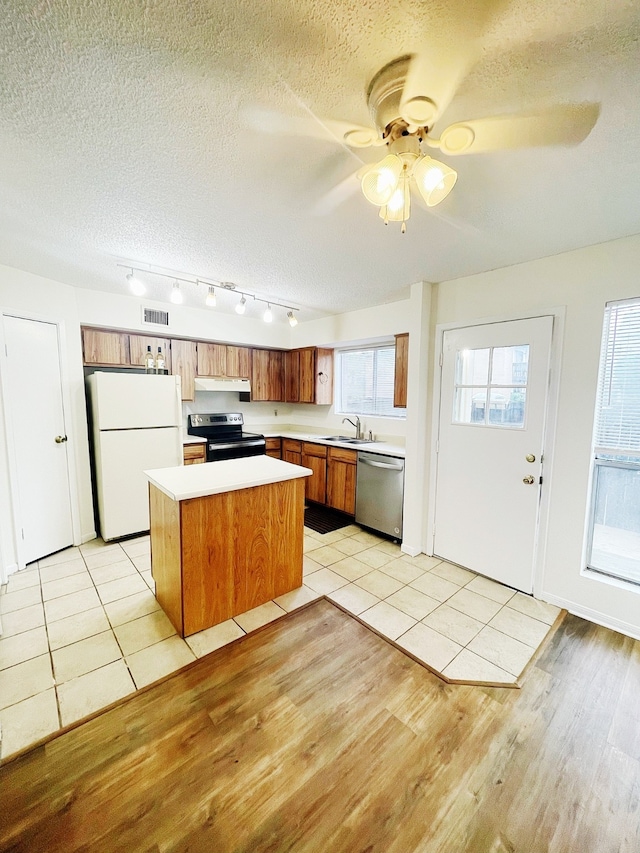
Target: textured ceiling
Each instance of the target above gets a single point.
(152, 132)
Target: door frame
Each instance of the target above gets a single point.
(553, 392)
(67, 409)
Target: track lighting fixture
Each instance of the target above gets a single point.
(136, 286)
(177, 294)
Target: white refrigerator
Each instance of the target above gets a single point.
(137, 425)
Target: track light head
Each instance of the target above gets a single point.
(176, 294)
(241, 306)
(135, 285)
(211, 297)
(268, 314)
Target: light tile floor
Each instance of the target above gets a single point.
(82, 628)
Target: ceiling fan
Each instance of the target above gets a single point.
(406, 98)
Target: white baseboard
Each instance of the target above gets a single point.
(5, 571)
(410, 550)
(87, 537)
(593, 616)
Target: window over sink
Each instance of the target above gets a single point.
(365, 380)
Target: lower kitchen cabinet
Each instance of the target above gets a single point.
(194, 454)
(314, 456)
(341, 479)
(292, 451)
(274, 448)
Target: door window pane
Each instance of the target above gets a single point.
(509, 365)
(470, 405)
(472, 367)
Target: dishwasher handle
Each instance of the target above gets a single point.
(380, 464)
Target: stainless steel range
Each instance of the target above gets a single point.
(225, 437)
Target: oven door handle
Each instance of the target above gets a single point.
(237, 444)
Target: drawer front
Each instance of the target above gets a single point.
(314, 449)
(291, 445)
(273, 444)
(339, 454)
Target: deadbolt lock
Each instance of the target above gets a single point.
(529, 481)
(530, 457)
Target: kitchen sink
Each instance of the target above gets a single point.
(347, 439)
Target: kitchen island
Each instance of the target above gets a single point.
(225, 537)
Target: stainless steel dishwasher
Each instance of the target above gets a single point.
(379, 492)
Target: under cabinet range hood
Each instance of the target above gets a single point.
(222, 383)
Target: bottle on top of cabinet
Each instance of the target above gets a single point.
(149, 361)
(160, 362)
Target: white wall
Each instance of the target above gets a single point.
(582, 281)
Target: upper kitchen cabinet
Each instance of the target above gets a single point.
(105, 348)
(400, 377)
(238, 362)
(224, 360)
(138, 347)
(212, 359)
(316, 376)
(267, 375)
(184, 361)
(292, 376)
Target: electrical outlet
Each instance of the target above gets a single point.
(275, 412)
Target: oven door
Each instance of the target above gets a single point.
(217, 450)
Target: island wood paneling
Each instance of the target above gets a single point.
(314, 734)
(236, 550)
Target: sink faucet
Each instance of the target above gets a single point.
(356, 425)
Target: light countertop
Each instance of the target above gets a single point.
(184, 482)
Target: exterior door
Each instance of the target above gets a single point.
(493, 401)
(35, 418)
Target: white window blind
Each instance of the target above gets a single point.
(618, 400)
(366, 381)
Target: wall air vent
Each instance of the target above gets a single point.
(153, 317)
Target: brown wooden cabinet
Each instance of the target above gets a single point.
(401, 371)
(341, 479)
(194, 454)
(105, 348)
(267, 375)
(274, 448)
(184, 360)
(238, 362)
(292, 376)
(314, 456)
(316, 376)
(138, 349)
(292, 451)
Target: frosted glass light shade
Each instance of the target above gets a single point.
(135, 285)
(268, 314)
(176, 294)
(241, 306)
(434, 180)
(398, 208)
(211, 297)
(381, 181)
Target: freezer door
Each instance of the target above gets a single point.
(134, 401)
(123, 490)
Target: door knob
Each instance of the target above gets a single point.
(528, 481)
(530, 457)
(60, 439)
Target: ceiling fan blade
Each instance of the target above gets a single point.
(431, 82)
(562, 125)
(337, 195)
(269, 121)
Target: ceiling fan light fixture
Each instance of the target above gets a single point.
(381, 180)
(398, 209)
(434, 180)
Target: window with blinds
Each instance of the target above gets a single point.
(614, 529)
(365, 382)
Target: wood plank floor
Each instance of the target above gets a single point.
(315, 734)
